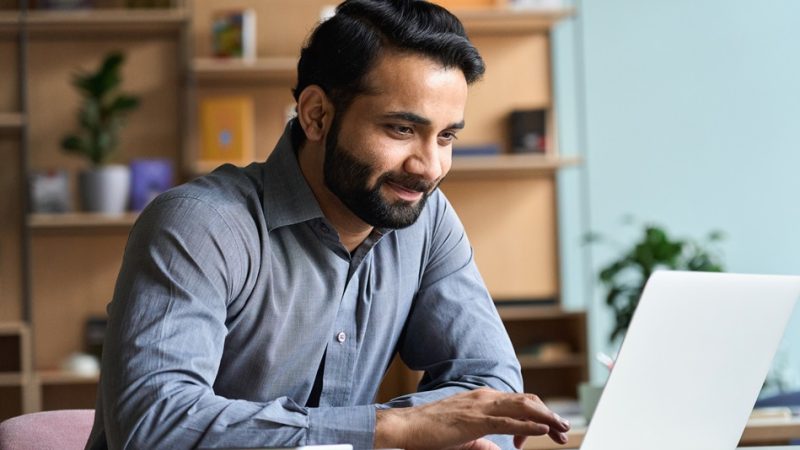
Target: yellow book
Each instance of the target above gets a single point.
(226, 128)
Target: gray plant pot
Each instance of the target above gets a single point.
(105, 189)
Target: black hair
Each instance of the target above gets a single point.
(342, 50)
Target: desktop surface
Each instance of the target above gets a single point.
(757, 433)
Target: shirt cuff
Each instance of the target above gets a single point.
(354, 425)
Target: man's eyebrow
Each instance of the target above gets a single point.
(419, 120)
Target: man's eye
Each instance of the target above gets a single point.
(401, 129)
(448, 137)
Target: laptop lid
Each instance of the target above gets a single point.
(693, 361)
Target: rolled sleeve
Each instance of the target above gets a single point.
(342, 425)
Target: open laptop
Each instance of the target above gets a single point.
(693, 361)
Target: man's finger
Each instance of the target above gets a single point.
(481, 444)
(508, 425)
(547, 416)
(558, 436)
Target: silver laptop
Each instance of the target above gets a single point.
(693, 361)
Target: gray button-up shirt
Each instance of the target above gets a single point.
(233, 289)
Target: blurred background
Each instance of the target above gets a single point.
(608, 139)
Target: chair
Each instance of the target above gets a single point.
(50, 430)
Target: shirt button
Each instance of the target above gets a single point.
(341, 337)
(325, 228)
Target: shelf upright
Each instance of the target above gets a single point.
(22, 73)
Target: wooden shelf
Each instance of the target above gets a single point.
(512, 312)
(107, 20)
(9, 22)
(262, 70)
(45, 377)
(11, 121)
(498, 21)
(508, 165)
(534, 362)
(474, 166)
(80, 220)
(12, 379)
(13, 328)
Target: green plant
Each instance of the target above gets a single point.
(102, 112)
(624, 278)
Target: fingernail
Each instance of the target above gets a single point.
(562, 420)
(562, 437)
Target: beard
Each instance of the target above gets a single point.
(348, 178)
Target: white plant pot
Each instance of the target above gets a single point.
(105, 189)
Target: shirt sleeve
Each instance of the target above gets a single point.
(183, 263)
(454, 333)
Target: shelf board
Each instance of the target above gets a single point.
(80, 220)
(13, 328)
(511, 312)
(11, 121)
(262, 70)
(476, 166)
(107, 20)
(509, 165)
(9, 22)
(63, 377)
(12, 379)
(534, 362)
(499, 21)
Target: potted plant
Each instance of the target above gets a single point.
(104, 187)
(624, 278)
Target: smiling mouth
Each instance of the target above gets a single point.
(405, 193)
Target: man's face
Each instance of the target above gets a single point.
(392, 147)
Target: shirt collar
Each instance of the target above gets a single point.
(288, 199)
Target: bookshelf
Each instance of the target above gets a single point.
(263, 70)
(16, 386)
(74, 258)
(58, 269)
(11, 121)
(508, 165)
(507, 21)
(116, 20)
(80, 220)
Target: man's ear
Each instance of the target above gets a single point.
(314, 111)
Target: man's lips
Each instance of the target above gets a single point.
(405, 193)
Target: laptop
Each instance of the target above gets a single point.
(693, 361)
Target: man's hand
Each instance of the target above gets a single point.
(460, 421)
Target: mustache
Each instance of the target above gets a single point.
(410, 182)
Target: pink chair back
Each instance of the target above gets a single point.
(50, 430)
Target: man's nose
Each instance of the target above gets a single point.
(426, 162)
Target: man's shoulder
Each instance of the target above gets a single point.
(224, 184)
(233, 193)
(225, 187)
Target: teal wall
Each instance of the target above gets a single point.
(688, 115)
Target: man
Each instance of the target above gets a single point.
(261, 306)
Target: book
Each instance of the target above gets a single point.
(528, 131)
(233, 34)
(149, 177)
(476, 150)
(226, 129)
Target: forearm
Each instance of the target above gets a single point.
(391, 430)
(464, 420)
(194, 417)
(440, 389)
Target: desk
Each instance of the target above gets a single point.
(757, 432)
